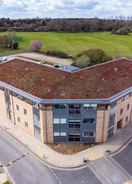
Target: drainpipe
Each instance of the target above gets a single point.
(46, 125)
(14, 122)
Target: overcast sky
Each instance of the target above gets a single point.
(65, 8)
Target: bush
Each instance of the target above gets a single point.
(91, 57)
(82, 61)
(121, 31)
(36, 45)
(57, 53)
(9, 41)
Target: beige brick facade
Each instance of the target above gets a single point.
(23, 115)
(102, 124)
(47, 124)
(3, 115)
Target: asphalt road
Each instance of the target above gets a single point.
(25, 168)
(124, 158)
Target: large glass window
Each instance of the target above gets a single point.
(74, 109)
(63, 134)
(60, 106)
(74, 124)
(89, 106)
(89, 120)
(74, 138)
(88, 134)
(59, 121)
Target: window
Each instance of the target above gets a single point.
(56, 133)
(126, 119)
(56, 121)
(90, 106)
(74, 138)
(121, 111)
(59, 121)
(62, 134)
(25, 111)
(88, 134)
(60, 106)
(17, 107)
(62, 121)
(18, 119)
(74, 109)
(128, 106)
(26, 124)
(90, 120)
(74, 123)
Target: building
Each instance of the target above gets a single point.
(55, 106)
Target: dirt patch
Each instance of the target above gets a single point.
(69, 148)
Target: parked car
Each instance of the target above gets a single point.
(4, 58)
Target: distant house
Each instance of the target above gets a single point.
(55, 106)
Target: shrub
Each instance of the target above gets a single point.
(57, 53)
(121, 31)
(15, 45)
(91, 57)
(36, 45)
(82, 61)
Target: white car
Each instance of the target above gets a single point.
(4, 58)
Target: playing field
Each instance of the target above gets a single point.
(73, 43)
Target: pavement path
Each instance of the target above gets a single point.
(43, 57)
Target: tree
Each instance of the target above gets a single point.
(91, 57)
(15, 45)
(121, 31)
(36, 45)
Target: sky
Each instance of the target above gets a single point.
(65, 8)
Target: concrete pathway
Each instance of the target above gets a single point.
(43, 57)
(66, 161)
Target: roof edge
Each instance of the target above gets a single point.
(55, 101)
(104, 63)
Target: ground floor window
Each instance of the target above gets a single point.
(88, 134)
(59, 134)
(74, 138)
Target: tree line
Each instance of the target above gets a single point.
(64, 25)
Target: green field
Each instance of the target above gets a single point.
(73, 43)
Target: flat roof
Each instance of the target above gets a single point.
(97, 82)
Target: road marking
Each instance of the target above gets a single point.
(114, 162)
(109, 172)
(56, 176)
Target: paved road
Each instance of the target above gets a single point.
(125, 158)
(109, 172)
(25, 168)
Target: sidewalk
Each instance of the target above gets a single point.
(66, 161)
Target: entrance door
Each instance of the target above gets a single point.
(119, 124)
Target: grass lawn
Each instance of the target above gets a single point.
(73, 43)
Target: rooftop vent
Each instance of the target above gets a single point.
(26, 69)
(115, 69)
